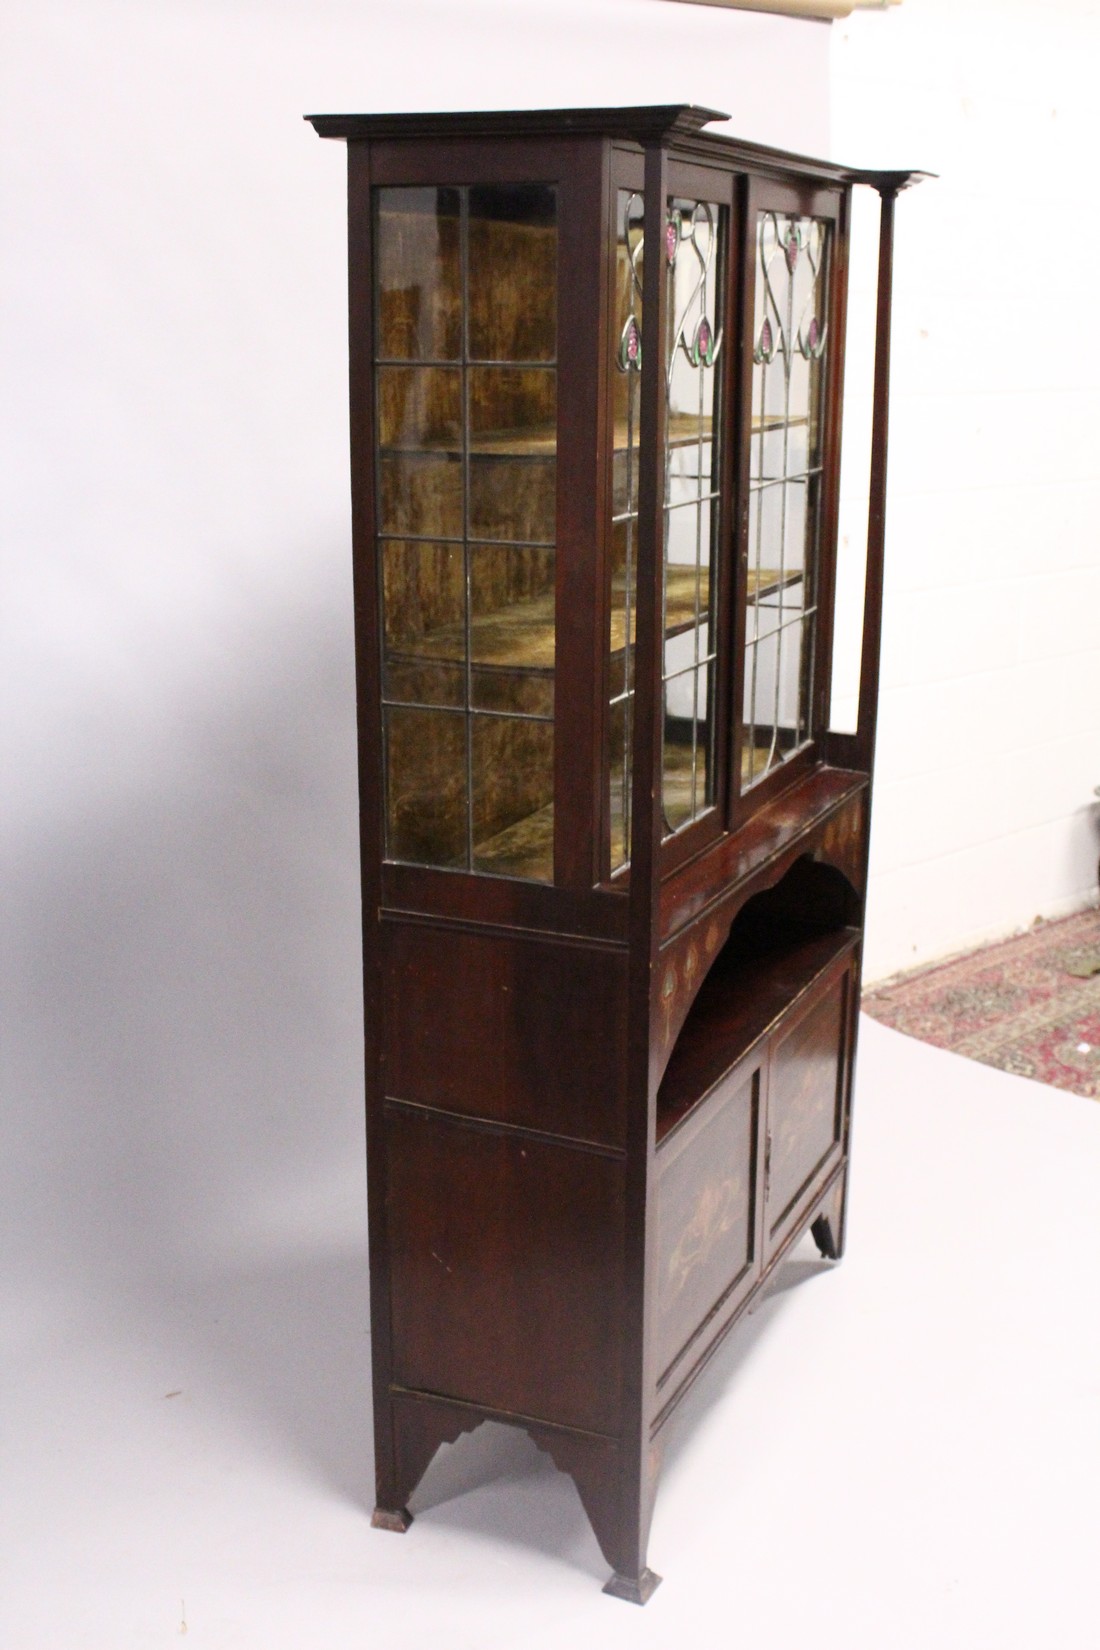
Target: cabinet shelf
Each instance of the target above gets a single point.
(540, 441)
(755, 980)
(522, 849)
(521, 636)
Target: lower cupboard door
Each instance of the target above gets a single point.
(706, 1221)
(807, 1092)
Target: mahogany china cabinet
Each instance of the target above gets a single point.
(613, 856)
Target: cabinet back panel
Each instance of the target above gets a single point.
(515, 1029)
(506, 1258)
(706, 1219)
(805, 1098)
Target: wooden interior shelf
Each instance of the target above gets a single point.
(522, 849)
(521, 635)
(541, 441)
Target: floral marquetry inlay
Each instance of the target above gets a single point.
(684, 973)
(717, 1212)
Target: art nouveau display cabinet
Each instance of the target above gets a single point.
(613, 857)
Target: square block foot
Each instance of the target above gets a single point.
(634, 1591)
(382, 1518)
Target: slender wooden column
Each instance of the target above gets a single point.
(876, 512)
(390, 1511)
(632, 1579)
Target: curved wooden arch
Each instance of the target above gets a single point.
(821, 894)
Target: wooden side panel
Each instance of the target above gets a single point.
(506, 1259)
(806, 1102)
(706, 1213)
(844, 842)
(513, 1028)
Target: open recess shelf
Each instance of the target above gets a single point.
(755, 981)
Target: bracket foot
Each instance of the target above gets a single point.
(636, 1590)
(822, 1230)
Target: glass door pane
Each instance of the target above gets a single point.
(691, 259)
(466, 379)
(694, 258)
(626, 413)
(785, 470)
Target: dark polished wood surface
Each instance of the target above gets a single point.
(511, 1028)
(507, 1270)
(805, 1101)
(706, 1214)
(642, 125)
(766, 844)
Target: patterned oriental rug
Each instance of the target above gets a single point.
(1029, 1005)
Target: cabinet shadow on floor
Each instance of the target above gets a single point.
(719, 1377)
(277, 1352)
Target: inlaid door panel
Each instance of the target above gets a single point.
(706, 1214)
(806, 1093)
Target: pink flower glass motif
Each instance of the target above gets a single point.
(792, 248)
(813, 334)
(767, 341)
(672, 237)
(704, 341)
(630, 347)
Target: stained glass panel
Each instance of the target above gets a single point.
(695, 239)
(785, 463)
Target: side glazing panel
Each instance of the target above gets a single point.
(466, 472)
(785, 476)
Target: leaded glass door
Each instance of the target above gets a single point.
(484, 411)
(693, 261)
(789, 516)
(465, 368)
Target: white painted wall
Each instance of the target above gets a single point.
(989, 741)
(182, 1042)
(181, 1056)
